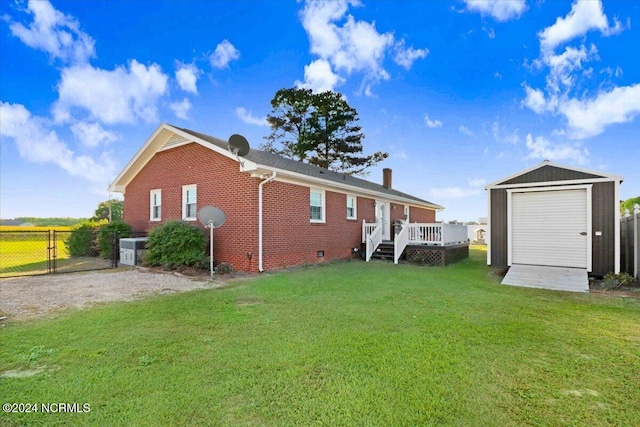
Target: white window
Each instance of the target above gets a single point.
(351, 207)
(189, 202)
(316, 203)
(155, 204)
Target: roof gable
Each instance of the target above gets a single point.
(549, 172)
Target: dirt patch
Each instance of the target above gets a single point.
(24, 298)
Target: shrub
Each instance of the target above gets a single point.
(175, 244)
(224, 268)
(615, 281)
(82, 240)
(106, 236)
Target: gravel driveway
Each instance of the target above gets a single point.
(42, 296)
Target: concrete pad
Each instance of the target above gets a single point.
(544, 277)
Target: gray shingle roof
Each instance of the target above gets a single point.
(275, 161)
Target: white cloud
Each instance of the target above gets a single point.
(55, 33)
(181, 108)
(405, 57)
(319, 77)
(477, 182)
(118, 96)
(454, 192)
(248, 118)
(351, 46)
(465, 130)
(587, 118)
(187, 77)
(541, 148)
(401, 155)
(502, 135)
(562, 66)
(500, 10)
(585, 15)
(432, 123)
(587, 114)
(225, 52)
(39, 144)
(92, 134)
(535, 100)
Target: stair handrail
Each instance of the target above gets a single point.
(373, 240)
(400, 242)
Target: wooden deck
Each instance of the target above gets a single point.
(554, 278)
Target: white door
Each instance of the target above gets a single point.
(550, 228)
(382, 217)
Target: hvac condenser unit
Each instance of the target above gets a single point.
(132, 249)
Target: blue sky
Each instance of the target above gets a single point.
(460, 93)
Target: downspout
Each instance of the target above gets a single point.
(271, 178)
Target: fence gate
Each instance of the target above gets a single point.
(26, 253)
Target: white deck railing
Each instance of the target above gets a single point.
(367, 228)
(372, 233)
(437, 234)
(400, 242)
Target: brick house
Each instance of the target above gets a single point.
(280, 212)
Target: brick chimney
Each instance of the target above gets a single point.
(386, 178)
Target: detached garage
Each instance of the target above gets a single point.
(555, 216)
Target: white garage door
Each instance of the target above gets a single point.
(549, 228)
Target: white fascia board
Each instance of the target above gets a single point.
(551, 183)
(154, 145)
(309, 181)
(118, 187)
(202, 142)
(605, 176)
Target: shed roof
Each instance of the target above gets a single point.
(549, 172)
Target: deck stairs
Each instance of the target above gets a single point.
(384, 251)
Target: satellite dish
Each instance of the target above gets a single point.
(238, 145)
(211, 216)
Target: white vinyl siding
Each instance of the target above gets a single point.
(155, 205)
(550, 228)
(352, 203)
(189, 202)
(316, 205)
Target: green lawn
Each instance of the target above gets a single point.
(350, 344)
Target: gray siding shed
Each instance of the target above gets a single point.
(604, 234)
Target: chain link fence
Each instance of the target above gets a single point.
(24, 253)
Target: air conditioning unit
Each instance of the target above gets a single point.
(132, 250)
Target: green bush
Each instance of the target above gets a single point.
(175, 244)
(82, 240)
(615, 281)
(106, 236)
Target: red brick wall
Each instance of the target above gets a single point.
(289, 238)
(422, 215)
(219, 184)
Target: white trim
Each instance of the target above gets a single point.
(151, 205)
(589, 208)
(309, 181)
(489, 224)
(550, 183)
(323, 202)
(355, 206)
(607, 176)
(616, 228)
(186, 188)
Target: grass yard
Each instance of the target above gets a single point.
(342, 344)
